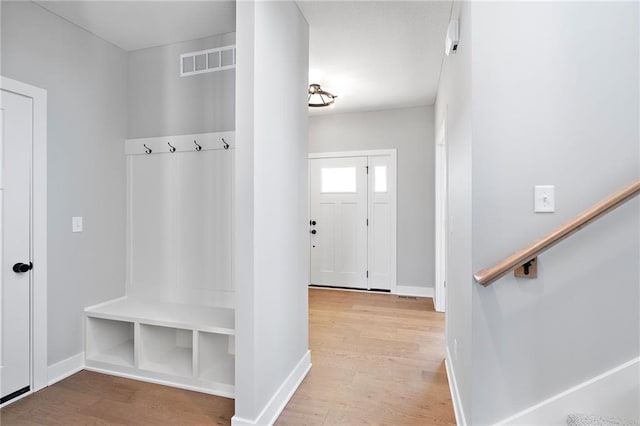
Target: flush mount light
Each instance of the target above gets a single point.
(319, 97)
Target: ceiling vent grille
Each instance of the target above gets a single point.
(211, 60)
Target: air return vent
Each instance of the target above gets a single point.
(218, 59)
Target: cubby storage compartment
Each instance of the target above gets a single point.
(166, 350)
(216, 358)
(110, 341)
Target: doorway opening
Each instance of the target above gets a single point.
(352, 226)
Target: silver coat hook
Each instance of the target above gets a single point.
(226, 145)
(198, 147)
(147, 149)
(171, 147)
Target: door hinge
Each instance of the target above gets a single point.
(367, 222)
(367, 169)
(367, 274)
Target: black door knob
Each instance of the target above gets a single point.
(21, 268)
(313, 222)
(313, 231)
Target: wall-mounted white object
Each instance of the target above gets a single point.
(76, 224)
(544, 199)
(181, 143)
(176, 324)
(452, 38)
(210, 60)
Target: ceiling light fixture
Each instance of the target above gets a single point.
(319, 97)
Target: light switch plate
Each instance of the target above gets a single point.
(544, 199)
(76, 224)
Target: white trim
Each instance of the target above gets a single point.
(366, 153)
(65, 368)
(591, 389)
(455, 393)
(281, 397)
(39, 228)
(406, 290)
(441, 213)
(226, 391)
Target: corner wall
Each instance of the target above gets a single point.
(454, 104)
(271, 253)
(85, 78)
(411, 132)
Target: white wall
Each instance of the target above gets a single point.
(86, 82)
(271, 254)
(556, 102)
(454, 103)
(411, 132)
(161, 103)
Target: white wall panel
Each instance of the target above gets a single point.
(180, 226)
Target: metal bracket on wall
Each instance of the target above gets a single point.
(527, 270)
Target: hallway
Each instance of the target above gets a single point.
(377, 359)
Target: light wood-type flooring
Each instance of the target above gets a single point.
(377, 360)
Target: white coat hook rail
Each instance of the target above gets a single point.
(197, 142)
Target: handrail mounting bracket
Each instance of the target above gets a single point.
(528, 269)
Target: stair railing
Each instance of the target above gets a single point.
(524, 261)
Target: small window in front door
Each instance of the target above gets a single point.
(338, 179)
(380, 179)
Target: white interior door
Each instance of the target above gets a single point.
(338, 225)
(17, 142)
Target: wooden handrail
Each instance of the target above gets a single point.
(489, 275)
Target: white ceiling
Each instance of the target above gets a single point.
(372, 54)
(133, 25)
(376, 54)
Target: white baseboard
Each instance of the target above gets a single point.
(405, 290)
(225, 391)
(281, 397)
(65, 368)
(614, 393)
(455, 394)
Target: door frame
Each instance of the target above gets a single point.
(393, 154)
(441, 215)
(39, 374)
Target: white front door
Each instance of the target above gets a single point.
(338, 225)
(16, 114)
